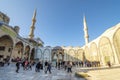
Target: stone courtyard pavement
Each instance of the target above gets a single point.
(8, 73)
(103, 73)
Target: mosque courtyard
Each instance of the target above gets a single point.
(8, 73)
(98, 52)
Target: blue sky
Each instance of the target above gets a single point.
(60, 22)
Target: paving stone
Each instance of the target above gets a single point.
(8, 73)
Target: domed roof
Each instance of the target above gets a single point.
(57, 47)
(4, 18)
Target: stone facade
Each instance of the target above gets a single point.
(104, 49)
(60, 53)
(12, 44)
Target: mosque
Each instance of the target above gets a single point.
(12, 45)
(105, 48)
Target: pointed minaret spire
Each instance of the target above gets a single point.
(86, 36)
(31, 35)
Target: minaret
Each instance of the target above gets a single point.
(86, 36)
(31, 35)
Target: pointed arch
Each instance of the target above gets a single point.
(18, 49)
(87, 53)
(39, 54)
(58, 52)
(27, 51)
(6, 46)
(65, 55)
(80, 54)
(71, 54)
(32, 54)
(116, 43)
(47, 54)
(94, 52)
(105, 50)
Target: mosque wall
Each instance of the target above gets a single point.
(13, 46)
(116, 44)
(44, 53)
(105, 48)
(94, 52)
(106, 52)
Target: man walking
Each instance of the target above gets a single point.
(69, 66)
(17, 66)
(49, 67)
(46, 66)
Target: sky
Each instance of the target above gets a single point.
(60, 22)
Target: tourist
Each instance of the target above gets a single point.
(17, 66)
(37, 68)
(69, 67)
(65, 65)
(46, 66)
(109, 63)
(49, 68)
(30, 65)
(26, 65)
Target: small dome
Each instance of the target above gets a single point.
(4, 18)
(16, 28)
(48, 46)
(57, 47)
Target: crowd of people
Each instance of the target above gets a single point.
(4, 60)
(27, 65)
(40, 65)
(47, 65)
